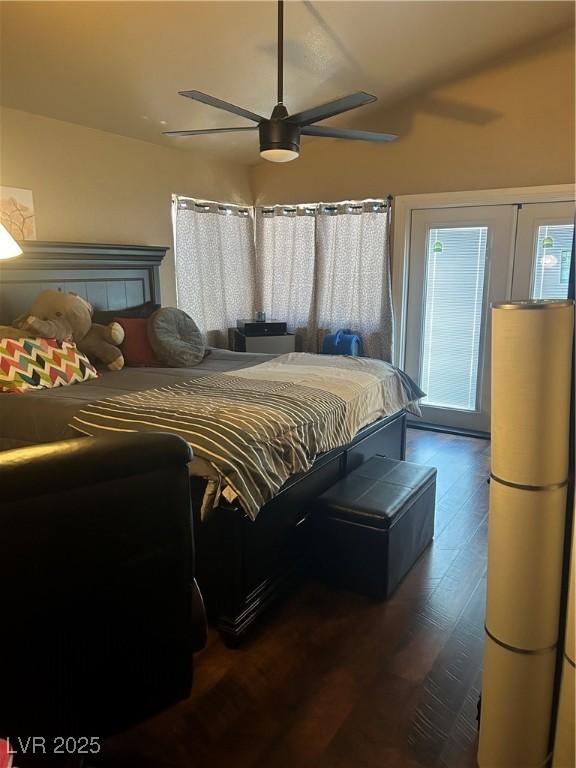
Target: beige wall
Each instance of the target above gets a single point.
(529, 142)
(92, 186)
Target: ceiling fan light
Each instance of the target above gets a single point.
(277, 155)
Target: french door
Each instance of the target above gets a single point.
(461, 261)
(543, 249)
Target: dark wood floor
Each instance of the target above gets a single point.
(334, 680)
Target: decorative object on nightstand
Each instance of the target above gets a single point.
(261, 335)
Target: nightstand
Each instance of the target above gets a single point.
(272, 345)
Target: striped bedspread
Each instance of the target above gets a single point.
(258, 426)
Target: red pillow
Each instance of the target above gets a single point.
(136, 347)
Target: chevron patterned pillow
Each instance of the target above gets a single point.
(41, 364)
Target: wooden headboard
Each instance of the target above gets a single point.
(108, 276)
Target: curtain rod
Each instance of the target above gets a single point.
(388, 198)
(289, 206)
(313, 208)
(204, 201)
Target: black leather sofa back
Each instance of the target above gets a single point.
(97, 628)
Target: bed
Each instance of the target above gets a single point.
(45, 415)
(243, 564)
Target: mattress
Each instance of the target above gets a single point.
(260, 425)
(47, 415)
(44, 416)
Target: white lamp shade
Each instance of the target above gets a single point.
(8, 246)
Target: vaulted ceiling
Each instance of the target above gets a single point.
(117, 66)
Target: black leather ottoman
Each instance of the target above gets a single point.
(372, 526)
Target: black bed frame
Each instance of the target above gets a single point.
(242, 566)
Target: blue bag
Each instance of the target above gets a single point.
(343, 342)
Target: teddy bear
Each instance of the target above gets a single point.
(68, 317)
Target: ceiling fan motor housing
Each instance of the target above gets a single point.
(278, 133)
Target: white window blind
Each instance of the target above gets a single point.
(453, 308)
(552, 261)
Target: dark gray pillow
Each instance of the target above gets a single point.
(175, 338)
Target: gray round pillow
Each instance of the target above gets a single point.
(175, 338)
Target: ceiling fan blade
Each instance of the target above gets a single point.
(335, 107)
(204, 131)
(219, 104)
(345, 133)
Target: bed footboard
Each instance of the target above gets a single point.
(244, 566)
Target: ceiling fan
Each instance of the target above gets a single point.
(280, 133)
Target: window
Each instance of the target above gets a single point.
(452, 321)
(325, 266)
(318, 266)
(214, 247)
(552, 261)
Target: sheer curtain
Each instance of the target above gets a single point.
(285, 239)
(215, 265)
(353, 286)
(327, 266)
(319, 267)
